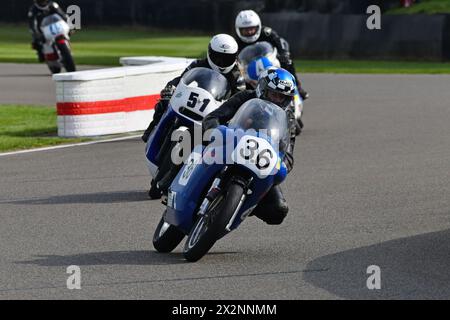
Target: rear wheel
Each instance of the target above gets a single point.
(67, 57)
(211, 226)
(166, 237)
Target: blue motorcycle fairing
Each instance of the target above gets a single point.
(184, 193)
(257, 66)
(158, 134)
(183, 198)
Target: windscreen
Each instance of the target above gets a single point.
(54, 18)
(209, 80)
(255, 51)
(258, 115)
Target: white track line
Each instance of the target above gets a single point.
(68, 146)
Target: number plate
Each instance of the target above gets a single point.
(194, 159)
(256, 154)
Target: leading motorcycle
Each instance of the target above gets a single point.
(221, 183)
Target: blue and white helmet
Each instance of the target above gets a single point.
(276, 82)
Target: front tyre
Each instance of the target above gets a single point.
(166, 237)
(67, 57)
(54, 69)
(211, 226)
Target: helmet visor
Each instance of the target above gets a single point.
(277, 98)
(249, 31)
(222, 60)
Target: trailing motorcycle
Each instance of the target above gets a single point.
(258, 57)
(56, 49)
(200, 91)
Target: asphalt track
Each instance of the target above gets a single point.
(370, 187)
(28, 84)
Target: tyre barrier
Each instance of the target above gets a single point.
(113, 100)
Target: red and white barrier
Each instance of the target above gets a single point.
(146, 60)
(114, 100)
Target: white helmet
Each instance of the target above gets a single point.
(248, 26)
(222, 53)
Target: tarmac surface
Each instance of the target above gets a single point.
(371, 186)
(29, 84)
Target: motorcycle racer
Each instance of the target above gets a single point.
(276, 85)
(221, 57)
(249, 30)
(37, 12)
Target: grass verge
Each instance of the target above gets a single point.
(105, 45)
(424, 6)
(27, 127)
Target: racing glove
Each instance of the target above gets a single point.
(167, 92)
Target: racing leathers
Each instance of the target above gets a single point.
(35, 16)
(273, 207)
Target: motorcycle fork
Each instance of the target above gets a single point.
(247, 191)
(216, 189)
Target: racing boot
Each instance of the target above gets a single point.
(273, 208)
(155, 191)
(166, 181)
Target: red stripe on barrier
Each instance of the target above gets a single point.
(111, 106)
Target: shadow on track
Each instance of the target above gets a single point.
(146, 257)
(99, 197)
(416, 267)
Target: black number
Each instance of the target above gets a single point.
(192, 101)
(205, 104)
(251, 149)
(266, 160)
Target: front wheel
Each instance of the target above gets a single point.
(54, 69)
(67, 57)
(211, 226)
(166, 237)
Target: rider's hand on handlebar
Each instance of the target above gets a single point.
(167, 92)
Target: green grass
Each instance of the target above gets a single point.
(26, 127)
(105, 46)
(372, 67)
(424, 6)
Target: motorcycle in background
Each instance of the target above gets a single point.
(200, 91)
(258, 57)
(56, 48)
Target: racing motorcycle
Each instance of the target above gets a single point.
(56, 48)
(200, 91)
(258, 57)
(210, 198)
